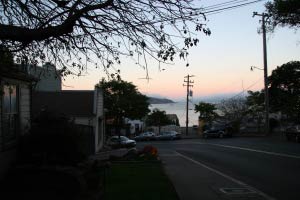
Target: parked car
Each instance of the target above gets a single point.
(219, 131)
(293, 132)
(168, 135)
(120, 142)
(145, 136)
(195, 127)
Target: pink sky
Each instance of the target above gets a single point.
(221, 63)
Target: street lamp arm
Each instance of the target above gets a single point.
(253, 67)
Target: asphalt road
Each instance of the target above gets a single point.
(270, 166)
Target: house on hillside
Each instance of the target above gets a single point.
(49, 78)
(85, 108)
(15, 112)
(135, 126)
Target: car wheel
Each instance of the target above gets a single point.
(221, 134)
(297, 138)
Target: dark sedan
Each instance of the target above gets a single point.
(219, 131)
(293, 132)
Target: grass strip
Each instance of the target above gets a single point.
(138, 181)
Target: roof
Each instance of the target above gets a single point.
(16, 72)
(71, 103)
(172, 116)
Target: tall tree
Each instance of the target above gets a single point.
(123, 100)
(284, 13)
(256, 107)
(284, 83)
(234, 109)
(73, 33)
(158, 118)
(207, 111)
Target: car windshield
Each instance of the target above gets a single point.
(123, 138)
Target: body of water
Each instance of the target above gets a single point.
(179, 108)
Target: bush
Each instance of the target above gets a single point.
(148, 153)
(52, 140)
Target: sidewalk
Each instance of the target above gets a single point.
(106, 154)
(195, 181)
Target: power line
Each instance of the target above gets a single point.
(215, 11)
(240, 93)
(232, 2)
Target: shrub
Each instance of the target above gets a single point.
(148, 153)
(52, 140)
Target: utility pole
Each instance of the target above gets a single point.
(188, 85)
(263, 20)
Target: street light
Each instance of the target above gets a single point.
(254, 67)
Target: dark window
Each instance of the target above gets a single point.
(9, 115)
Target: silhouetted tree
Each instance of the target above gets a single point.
(284, 13)
(123, 100)
(234, 110)
(207, 111)
(158, 118)
(74, 34)
(256, 106)
(284, 89)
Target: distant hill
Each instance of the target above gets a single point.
(155, 100)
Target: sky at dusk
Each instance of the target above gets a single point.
(221, 62)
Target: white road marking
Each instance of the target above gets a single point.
(255, 150)
(228, 177)
(235, 147)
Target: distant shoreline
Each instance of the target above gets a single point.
(154, 100)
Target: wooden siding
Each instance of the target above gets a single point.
(0, 118)
(99, 136)
(99, 103)
(24, 108)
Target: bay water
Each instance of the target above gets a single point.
(179, 108)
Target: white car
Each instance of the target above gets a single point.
(120, 142)
(168, 135)
(145, 136)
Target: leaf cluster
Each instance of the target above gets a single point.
(123, 100)
(80, 33)
(207, 111)
(284, 89)
(284, 13)
(234, 109)
(158, 118)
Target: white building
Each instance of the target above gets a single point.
(15, 103)
(49, 79)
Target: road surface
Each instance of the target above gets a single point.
(261, 168)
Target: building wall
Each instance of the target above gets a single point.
(0, 117)
(7, 158)
(88, 121)
(24, 108)
(49, 78)
(136, 126)
(8, 155)
(165, 128)
(99, 120)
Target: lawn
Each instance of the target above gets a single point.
(138, 181)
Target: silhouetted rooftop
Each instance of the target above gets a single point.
(70, 103)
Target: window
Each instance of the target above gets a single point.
(10, 114)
